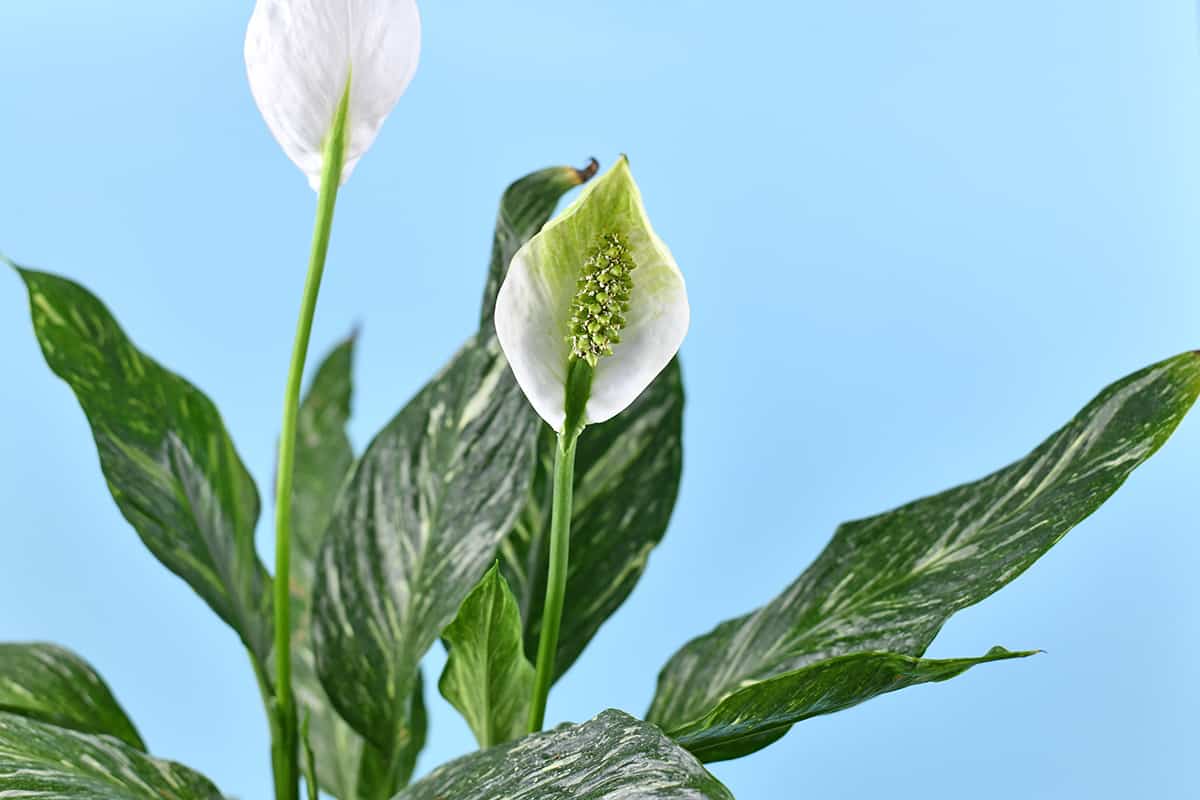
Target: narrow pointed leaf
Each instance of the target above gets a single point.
(38, 760)
(524, 208)
(612, 757)
(414, 529)
(753, 717)
(626, 480)
(487, 676)
(888, 583)
(168, 460)
(324, 457)
(51, 684)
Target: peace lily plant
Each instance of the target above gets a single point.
(457, 522)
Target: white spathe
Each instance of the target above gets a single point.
(533, 306)
(300, 55)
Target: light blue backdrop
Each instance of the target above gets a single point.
(918, 237)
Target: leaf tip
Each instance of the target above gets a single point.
(587, 172)
(17, 268)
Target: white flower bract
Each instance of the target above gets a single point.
(533, 308)
(302, 54)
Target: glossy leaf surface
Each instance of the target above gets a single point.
(487, 677)
(612, 757)
(753, 717)
(38, 760)
(168, 460)
(51, 684)
(885, 585)
(414, 529)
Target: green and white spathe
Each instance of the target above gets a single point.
(538, 307)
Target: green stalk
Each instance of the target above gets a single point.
(578, 390)
(556, 581)
(271, 708)
(286, 752)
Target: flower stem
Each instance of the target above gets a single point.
(556, 581)
(286, 759)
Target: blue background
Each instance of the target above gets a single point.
(918, 237)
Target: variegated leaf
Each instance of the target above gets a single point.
(38, 760)
(884, 586)
(753, 717)
(487, 676)
(413, 531)
(168, 460)
(612, 757)
(382, 775)
(50, 683)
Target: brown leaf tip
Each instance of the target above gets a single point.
(586, 173)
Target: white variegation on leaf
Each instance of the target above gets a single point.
(634, 332)
(302, 56)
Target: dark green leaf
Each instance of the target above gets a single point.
(613, 757)
(169, 462)
(884, 586)
(376, 777)
(524, 208)
(323, 461)
(755, 716)
(413, 531)
(487, 677)
(627, 475)
(52, 684)
(38, 760)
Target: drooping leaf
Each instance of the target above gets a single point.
(487, 677)
(627, 473)
(51, 684)
(168, 460)
(324, 457)
(755, 716)
(525, 207)
(39, 760)
(884, 586)
(612, 757)
(413, 531)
